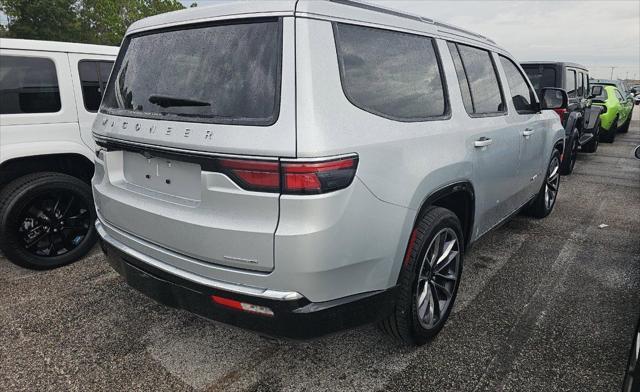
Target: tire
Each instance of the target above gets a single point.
(592, 145)
(610, 135)
(419, 281)
(625, 127)
(542, 206)
(46, 220)
(569, 162)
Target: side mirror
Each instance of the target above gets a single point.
(553, 98)
(596, 90)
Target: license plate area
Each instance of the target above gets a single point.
(163, 175)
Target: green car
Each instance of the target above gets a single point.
(616, 115)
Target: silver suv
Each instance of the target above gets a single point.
(297, 168)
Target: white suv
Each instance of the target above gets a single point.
(296, 168)
(49, 95)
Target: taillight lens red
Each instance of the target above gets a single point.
(561, 113)
(318, 177)
(291, 176)
(253, 175)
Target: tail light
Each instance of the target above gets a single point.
(318, 177)
(291, 176)
(561, 113)
(261, 176)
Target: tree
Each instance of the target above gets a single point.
(41, 19)
(88, 21)
(105, 22)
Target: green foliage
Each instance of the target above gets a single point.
(88, 21)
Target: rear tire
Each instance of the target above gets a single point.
(429, 279)
(46, 220)
(610, 135)
(592, 145)
(544, 202)
(571, 156)
(625, 127)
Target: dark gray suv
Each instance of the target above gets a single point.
(581, 119)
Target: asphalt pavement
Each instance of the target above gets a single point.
(544, 305)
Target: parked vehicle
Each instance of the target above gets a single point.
(580, 119)
(49, 95)
(295, 175)
(636, 99)
(617, 112)
(627, 100)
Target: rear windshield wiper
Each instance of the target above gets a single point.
(166, 101)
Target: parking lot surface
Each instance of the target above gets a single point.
(543, 305)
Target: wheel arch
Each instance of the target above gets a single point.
(459, 198)
(74, 164)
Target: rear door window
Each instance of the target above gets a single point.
(571, 83)
(28, 85)
(580, 80)
(93, 80)
(475, 67)
(391, 74)
(521, 94)
(226, 73)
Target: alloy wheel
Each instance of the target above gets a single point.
(437, 278)
(552, 183)
(53, 224)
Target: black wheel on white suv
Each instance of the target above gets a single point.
(544, 202)
(46, 220)
(429, 279)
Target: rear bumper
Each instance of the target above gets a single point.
(294, 319)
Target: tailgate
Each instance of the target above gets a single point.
(176, 203)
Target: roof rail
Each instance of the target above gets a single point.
(418, 18)
(452, 27)
(383, 10)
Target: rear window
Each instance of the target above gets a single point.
(226, 73)
(390, 74)
(540, 77)
(28, 85)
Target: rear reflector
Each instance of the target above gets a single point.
(242, 306)
(291, 176)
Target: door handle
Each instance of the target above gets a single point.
(482, 142)
(528, 132)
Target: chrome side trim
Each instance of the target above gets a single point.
(235, 288)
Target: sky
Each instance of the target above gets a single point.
(597, 34)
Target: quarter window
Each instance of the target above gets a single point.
(475, 68)
(28, 85)
(580, 84)
(93, 79)
(390, 74)
(521, 95)
(571, 83)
